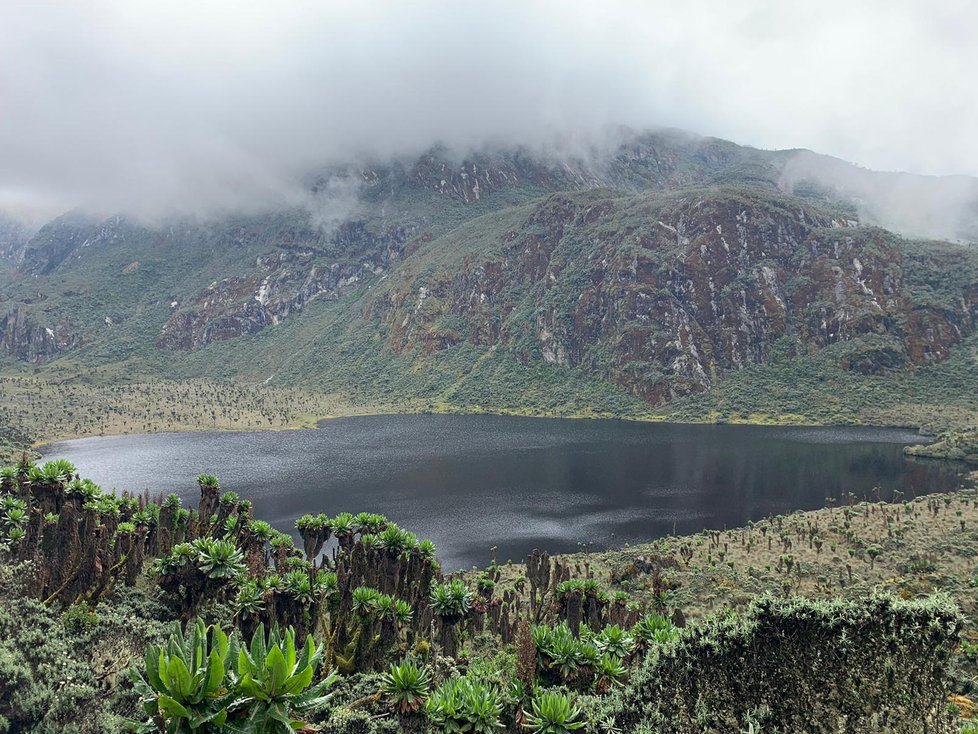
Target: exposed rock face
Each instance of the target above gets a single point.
(25, 339)
(660, 295)
(624, 272)
(629, 162)
(284, 283)
(56, 241)
(478, 176)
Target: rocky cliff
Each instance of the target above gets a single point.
(14, 235)
(662, 293)
(29, 341)
(282, 283)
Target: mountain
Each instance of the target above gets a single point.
(658, 274)
(14, 235)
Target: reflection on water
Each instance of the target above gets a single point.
(471, 482)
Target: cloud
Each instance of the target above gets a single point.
(943, 207)
(202, 107)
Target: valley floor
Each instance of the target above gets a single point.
(62, 401)
(36, 411)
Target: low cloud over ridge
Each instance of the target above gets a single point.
(197, 108)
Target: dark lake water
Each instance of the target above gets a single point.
(471, 482)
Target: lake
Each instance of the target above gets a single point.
(471, 482)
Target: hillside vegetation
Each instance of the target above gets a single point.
(667, 277)
(34, 408)
(116, 608)
(950, 446)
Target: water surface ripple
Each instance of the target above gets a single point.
(471, 482)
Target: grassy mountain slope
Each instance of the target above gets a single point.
(669, 277)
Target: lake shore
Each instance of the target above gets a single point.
(909, 548)
(528, 481)
(40, 413)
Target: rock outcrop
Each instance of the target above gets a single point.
(22, 337)
(282, 283)
(661, 294)
(14, 236)
(657, 261)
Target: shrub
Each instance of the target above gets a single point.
(452, 599)
(407, 684)
(553, 712)
(184, 684)
(564, 659)
(426, 549)
(276, 681)
(208, 680)
(608, 672)
(654, 629)
(59, 673)
(878, 664)
(614, 641)
(208, 480)
(465, 705)
(395, 540)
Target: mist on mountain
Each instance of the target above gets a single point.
(182, 110)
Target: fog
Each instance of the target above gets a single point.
(196, 108)
(944, 207)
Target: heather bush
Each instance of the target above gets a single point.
(800, 665)
(63, 670)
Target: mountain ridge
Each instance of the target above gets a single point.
(639, 279)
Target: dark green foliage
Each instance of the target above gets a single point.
(406, 684)
(415, 230)
(184, 685)
(465, 704)
(800, 665)
(817, 389)
(451, 599)
(379, 597)
(277, 681)
(13, 518)
(595, 661)
(952, 445)
(62, 672)
(560, 655)
(614, 641)
(219, 559)
(654, 629)
(207, 681)
(14, 439)
(202, 570)
(355, 708)
(208, 480)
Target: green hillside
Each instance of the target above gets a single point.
(669, 279)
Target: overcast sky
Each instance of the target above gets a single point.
(192, 106)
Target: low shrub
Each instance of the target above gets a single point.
(801, 665)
